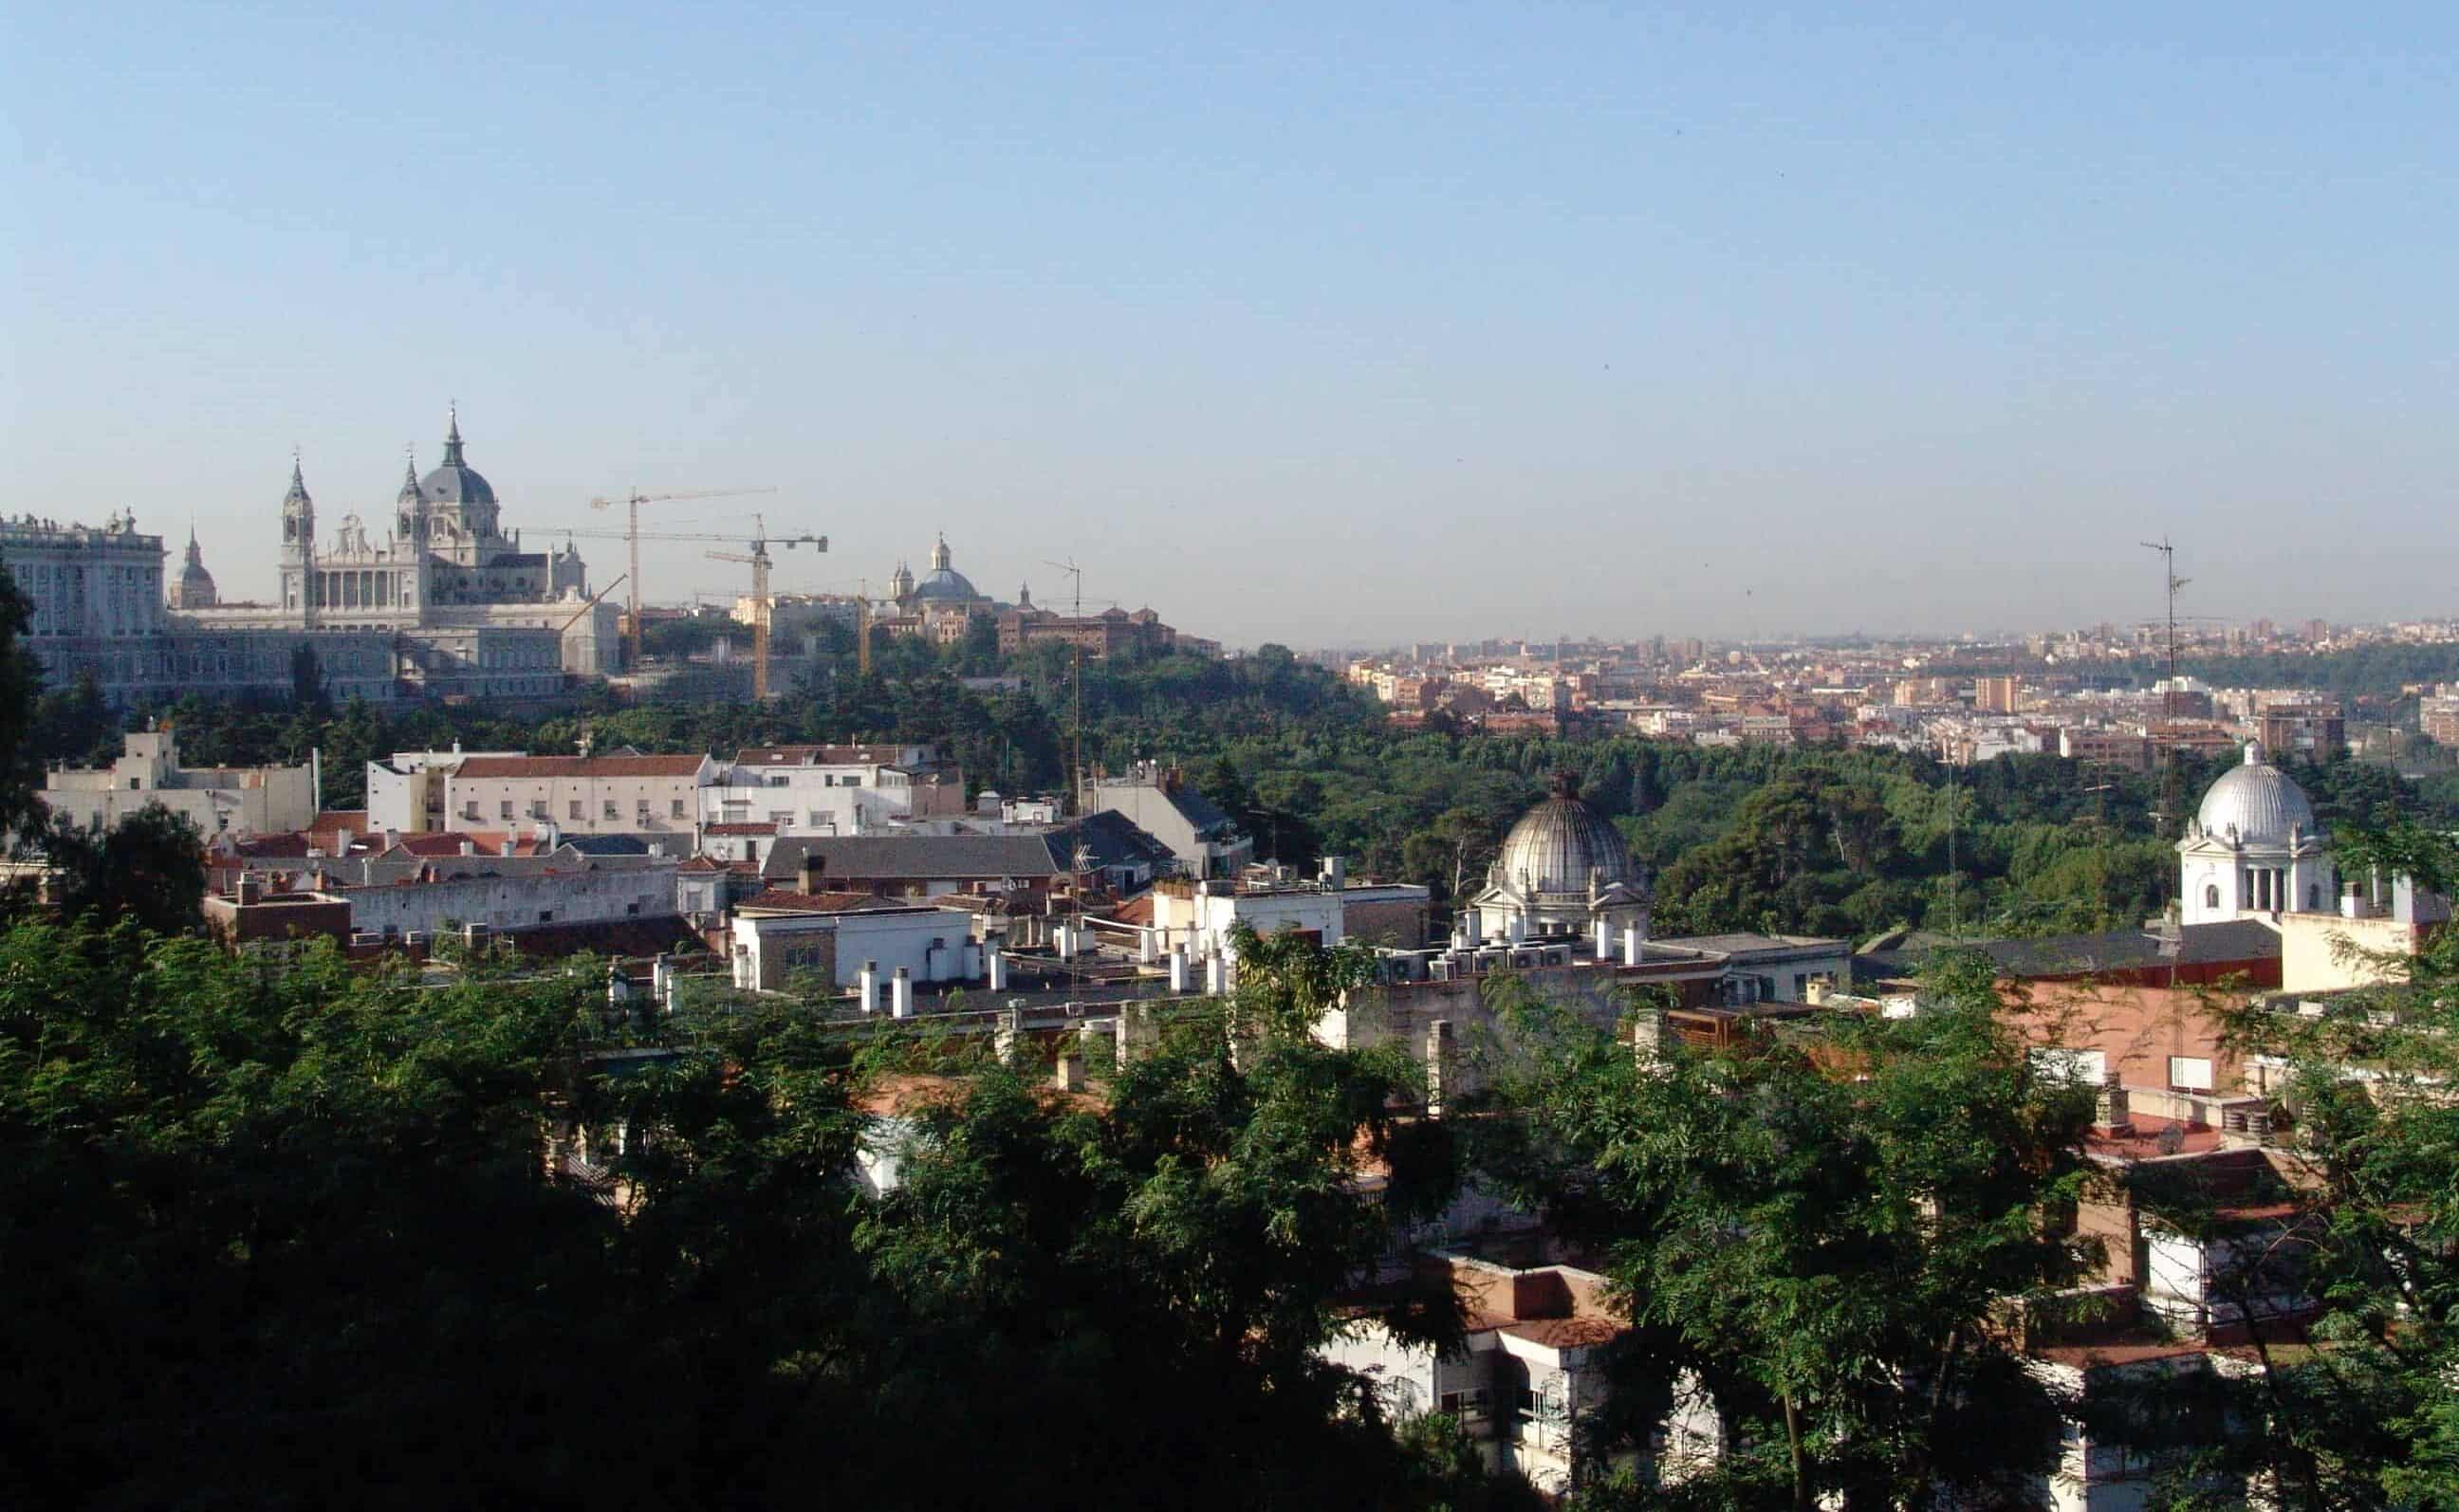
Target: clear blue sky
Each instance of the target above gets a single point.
(1337, 323)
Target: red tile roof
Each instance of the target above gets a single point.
(581, 766)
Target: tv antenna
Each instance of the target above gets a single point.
(2168, 575)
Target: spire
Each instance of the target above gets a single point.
(410, 473)
(297, 494)
(453, 435)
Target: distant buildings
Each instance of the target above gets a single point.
(437, 600)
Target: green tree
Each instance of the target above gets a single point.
(149, 869)
(1823, 1227)
(21, 687)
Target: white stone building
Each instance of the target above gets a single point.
(2254, 847)
(233, 800)
(832, 790)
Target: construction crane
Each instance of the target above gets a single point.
(592, 603)
(632, 502)
(759, 560)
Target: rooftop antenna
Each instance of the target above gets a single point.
(2168, 575)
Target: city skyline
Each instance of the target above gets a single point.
(1367, 332)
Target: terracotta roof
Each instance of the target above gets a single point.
(700, 863)
(328, 820)
(581, 766)
(816, 902)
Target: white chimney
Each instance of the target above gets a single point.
(1632, 941)
(1145, 949)
(1216, 974)
(998, 971)
(1605, 938)
(901, 989)
(870, 981)
(1178, 969)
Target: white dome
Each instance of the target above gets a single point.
(1557, 845)
(2261, 801)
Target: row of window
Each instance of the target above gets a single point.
(576, 810)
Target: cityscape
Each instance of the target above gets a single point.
(904, 869)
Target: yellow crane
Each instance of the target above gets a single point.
(759, 559)
(633, 501)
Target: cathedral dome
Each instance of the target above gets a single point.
(2263, 802)
(945, 584)
(1557, 845)
(455, 481)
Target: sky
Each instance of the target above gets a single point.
(1312, 323)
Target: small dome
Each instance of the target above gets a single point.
(1557, 845)
(2263, 803)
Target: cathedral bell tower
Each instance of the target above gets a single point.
(298, 559)
(409, 539)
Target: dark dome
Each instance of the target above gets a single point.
(1556, 845)
(455, 482)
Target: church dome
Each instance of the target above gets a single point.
(2261, 801)
(455, 481)
(945, 584)
(1556, 846)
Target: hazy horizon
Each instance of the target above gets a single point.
(1390, 325)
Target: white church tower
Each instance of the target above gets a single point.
(2254, 848)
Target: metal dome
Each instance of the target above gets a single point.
(945, 583)
(2263, 803)
(1557, 845)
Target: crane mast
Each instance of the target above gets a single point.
(632, 502)
(759, 562)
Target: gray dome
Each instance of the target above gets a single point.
(1556, 846)
(455, 482)
(2263, 802)
(945, 583)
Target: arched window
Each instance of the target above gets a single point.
(2212, 895)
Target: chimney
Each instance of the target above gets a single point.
(1605, 938)
(1007, 1039)
(1216, 974)
(2108, 1110)
(807, 878)
(1069, 1075)
(1178, 970)
(900, 993)
(998, 971)
(469, 848)
(1335, 873)
(1634, 939)
(251, 889)
(869, 981)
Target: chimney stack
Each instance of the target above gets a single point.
(807, 878)
(901, 989)
(2108, 1107)
(869, 982)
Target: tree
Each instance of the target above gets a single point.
(149, 869)
(2356, 1409)
(1822, 1229)
(307, 691)
(21, 687)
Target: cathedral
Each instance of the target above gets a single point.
(466, 602)
(436, 601)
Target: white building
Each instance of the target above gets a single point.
(234, 800)
(837, 940)
(2254, 848)
(656, 797)
(832, 790)
(406, 794)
